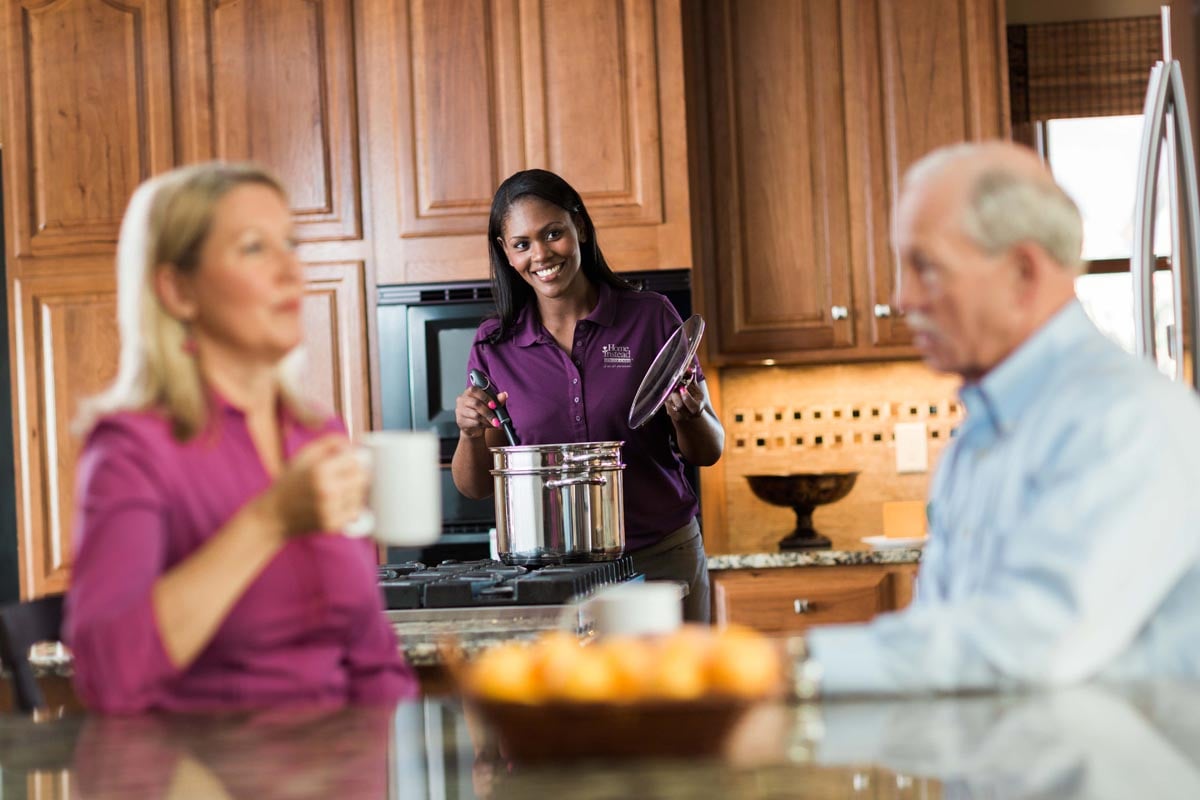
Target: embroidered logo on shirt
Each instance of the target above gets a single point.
(617, 356)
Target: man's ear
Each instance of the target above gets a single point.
(174, 290)
(1029, 263)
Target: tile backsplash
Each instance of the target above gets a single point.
(828, 418)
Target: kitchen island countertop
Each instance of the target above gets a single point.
(1084, 742)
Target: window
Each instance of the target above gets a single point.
(1095, 160)
(1077, 95)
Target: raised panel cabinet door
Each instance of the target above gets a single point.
(335, 342)
(933, 73)
(604, 108)
(274, 81)
(463, 93)
(66, 347)
(87, 117)
(776, 114)
(443, 88)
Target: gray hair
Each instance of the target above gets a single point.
(1007, 206)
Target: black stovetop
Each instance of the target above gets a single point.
(454, 584)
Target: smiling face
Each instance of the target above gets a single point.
(541, 242)
(243, 299)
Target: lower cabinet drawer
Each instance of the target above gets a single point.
(778, 601)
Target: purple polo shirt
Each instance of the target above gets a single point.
(584, 396)
(310, 628)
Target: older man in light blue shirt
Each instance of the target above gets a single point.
(1065, 517)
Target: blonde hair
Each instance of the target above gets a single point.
(167, 222)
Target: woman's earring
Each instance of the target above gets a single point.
(189, 341)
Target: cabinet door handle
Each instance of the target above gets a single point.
(839, 312)
(801, 606)
(882, 311)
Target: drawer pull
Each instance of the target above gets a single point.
(801, 606)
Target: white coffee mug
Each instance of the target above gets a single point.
(404, 508)
(635, 609)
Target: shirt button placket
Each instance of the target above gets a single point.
(576, 395)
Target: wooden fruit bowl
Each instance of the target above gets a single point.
(557, 730)
(545, 728)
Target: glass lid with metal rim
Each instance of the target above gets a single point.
(666, 373)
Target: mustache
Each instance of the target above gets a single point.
(919, 323)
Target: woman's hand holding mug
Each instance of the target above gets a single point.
(321, 488)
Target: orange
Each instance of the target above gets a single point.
(556, 656)
(591, 679)
(680, 666)
(505, 672)
(631, 662)
(743, 663)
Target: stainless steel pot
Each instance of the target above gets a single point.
(559, 502)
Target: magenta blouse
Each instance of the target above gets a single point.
(309, 629)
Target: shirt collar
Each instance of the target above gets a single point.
(1013, 385)
(223, 407)
(605, 312)
(528, 328)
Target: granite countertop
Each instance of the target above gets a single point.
(812, 558)
(1085, 742)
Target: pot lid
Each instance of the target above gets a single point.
(665, 373)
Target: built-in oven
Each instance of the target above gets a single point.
(425, 336)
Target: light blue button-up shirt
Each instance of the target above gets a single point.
(1064, 532)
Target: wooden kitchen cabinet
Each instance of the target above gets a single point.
(88, 112)
(66, 344)
(99, 97)
(793, 600)
(274, 81)
(804, 116)
(459, 95)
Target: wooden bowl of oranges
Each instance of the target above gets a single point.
(674, 695)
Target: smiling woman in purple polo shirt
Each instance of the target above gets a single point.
(569, 347)
(205, 576)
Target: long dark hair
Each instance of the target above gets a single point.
(510, 292)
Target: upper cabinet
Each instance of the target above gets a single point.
(273, 81)
(775, 126)
(805, 115)
(932, 73)
(461, 95)
(81, 139)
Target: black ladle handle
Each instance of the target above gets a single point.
(481, 381)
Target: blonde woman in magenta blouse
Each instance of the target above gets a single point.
(208, 572)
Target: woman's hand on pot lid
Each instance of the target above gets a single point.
(687, 402)
(474, 412)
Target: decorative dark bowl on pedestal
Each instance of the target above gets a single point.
(803, 492)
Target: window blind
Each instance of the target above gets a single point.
(1091, 68)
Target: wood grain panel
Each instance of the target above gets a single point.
(89, 82)
(66, 347)
(935, 74)
(463, 93)
(451, 150)
(779, 177)
(596, 103)
(277, 78)
(335, 341)
(768, 599)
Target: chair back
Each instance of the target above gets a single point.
(23, 625)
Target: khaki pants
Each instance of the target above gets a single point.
(679, 556)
